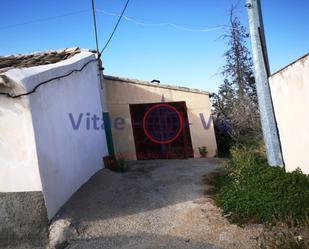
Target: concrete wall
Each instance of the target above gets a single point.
(290, 91)
(122, 93)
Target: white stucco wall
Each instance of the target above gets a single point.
(67, 157)
(19, 169)
(290, 91)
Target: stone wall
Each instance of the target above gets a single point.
(23, 219)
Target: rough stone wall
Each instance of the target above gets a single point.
(23, 219)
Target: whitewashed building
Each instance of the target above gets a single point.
(290, 90)
(49, 143)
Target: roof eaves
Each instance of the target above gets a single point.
(159, 85)
(37, 58)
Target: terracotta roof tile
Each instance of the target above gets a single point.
(36, 59)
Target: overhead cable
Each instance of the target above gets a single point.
(42, 19)
(174, 25)
(115, 28)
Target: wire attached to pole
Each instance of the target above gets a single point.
(115, 28)
(95, 28)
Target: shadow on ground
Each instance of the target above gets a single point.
(146, 186)
(139, 241)
(157, 204)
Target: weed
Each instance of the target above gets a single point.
(254, 191)
(285, 235)
(203, 151)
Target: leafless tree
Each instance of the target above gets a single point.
(236, 101)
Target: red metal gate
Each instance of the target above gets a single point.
(161, 130)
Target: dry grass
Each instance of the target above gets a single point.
(285, 235)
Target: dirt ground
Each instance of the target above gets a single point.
(156, 204)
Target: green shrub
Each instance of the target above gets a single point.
(117, 165)
(254, 191)
(224, 141)
(243, 163)
(203, 151)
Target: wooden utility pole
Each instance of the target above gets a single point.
(262, 72)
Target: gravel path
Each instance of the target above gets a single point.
(156, 204)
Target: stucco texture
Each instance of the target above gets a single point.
(19, 169)
(290, 91)
(121, 93)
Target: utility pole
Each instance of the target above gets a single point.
(105, 113)
(95, 27)
(262, 72)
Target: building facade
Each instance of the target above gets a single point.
(157, 121)
(59, 119)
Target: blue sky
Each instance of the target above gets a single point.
(174, 56)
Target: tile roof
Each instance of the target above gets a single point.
(36, 59)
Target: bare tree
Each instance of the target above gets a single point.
(236, 101)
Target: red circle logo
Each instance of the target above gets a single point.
(162, 123)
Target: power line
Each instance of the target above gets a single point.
(114, 30)
(159, 24)
(42, 19)
(47, 81)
